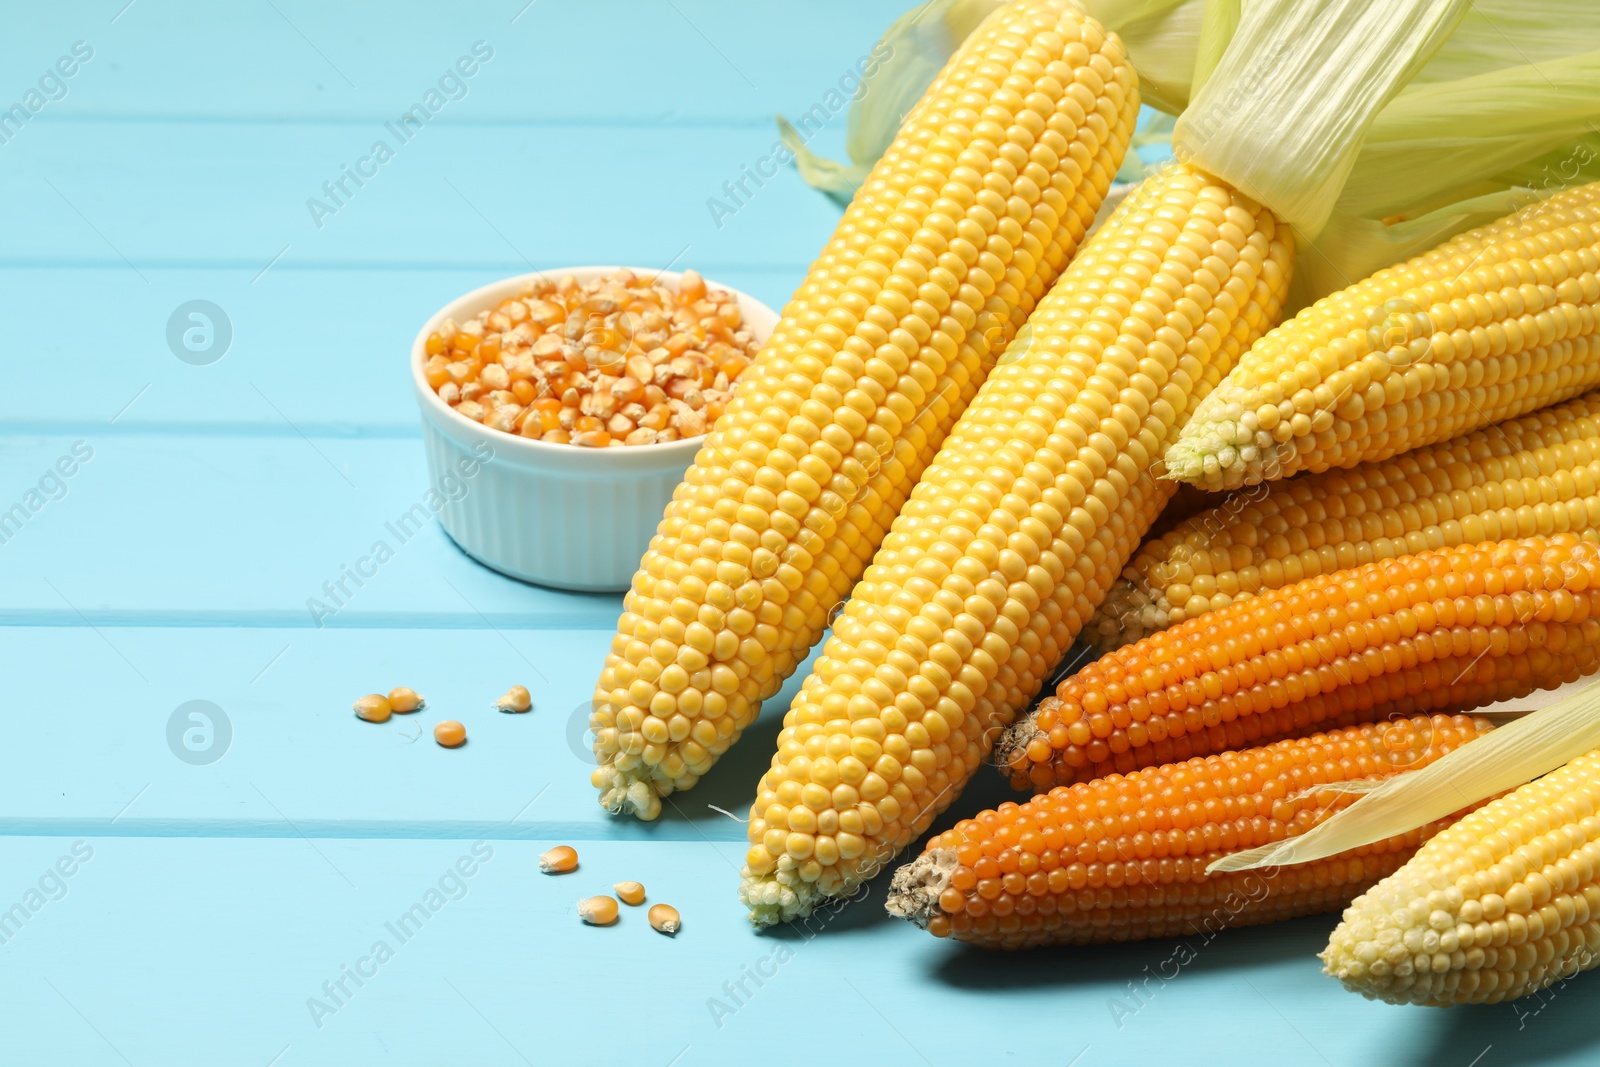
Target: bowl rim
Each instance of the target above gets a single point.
(470, 303)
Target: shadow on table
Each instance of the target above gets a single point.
(1555, 1025)
(1140, 963)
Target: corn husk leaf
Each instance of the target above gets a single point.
(1162, 38)
(904, 62)
(1284, 115)
(1511, 756)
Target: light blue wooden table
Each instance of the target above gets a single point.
(227, 908)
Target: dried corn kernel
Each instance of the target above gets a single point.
(559, 860)
(403, 700)
(450, 734)
(517, 698)
(664, 918)
(630, 892)
(598, 911)
(373, 707)
(569, 345)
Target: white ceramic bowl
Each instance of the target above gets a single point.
(558, 515)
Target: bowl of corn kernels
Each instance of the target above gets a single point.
(560, 410)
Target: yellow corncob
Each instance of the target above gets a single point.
(1539, 474)
(1492, 324)
(960, 228)
(1015, 532)
(1504, 903)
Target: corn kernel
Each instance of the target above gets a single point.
(598, 911)
(516, 699)
(629, 892)
(584, 336)
(559, 860)
(664, 918)
(373, 707)
(450, 734)
(403, 701)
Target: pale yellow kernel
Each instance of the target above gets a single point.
(516, 699)
(598, 911)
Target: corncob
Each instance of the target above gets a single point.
(1539, 474)
(1018, 527)
(961, 227)
(1504, 903)
(1451, 628)
(1124, 858)
(1491, 324)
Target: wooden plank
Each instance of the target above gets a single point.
(245, 531)
(157, 194)
(686, 62)
(502, 972)
(279, 752)
(329, 348)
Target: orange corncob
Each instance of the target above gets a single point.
(1449, 629)
(1124, 858)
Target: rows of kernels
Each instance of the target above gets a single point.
(1124, 858)
(1537, 475)
(944, 251)
(1453, 628)
(1024, 518)
(1504, 903)
(1494, 323)
(617, 360)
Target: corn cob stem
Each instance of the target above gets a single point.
(1454, 628)
(1124, 858)
(1504, 903)
(1539, 474)
(1017, 529)
(958, 231)
(1492, 324)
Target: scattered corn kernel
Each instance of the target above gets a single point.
(517, 698)
(450, 734)
(598, 911)
(664, 917)
(630, 892)
(403, 700)
(591, 348)
(559, 860)
(373, 707)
